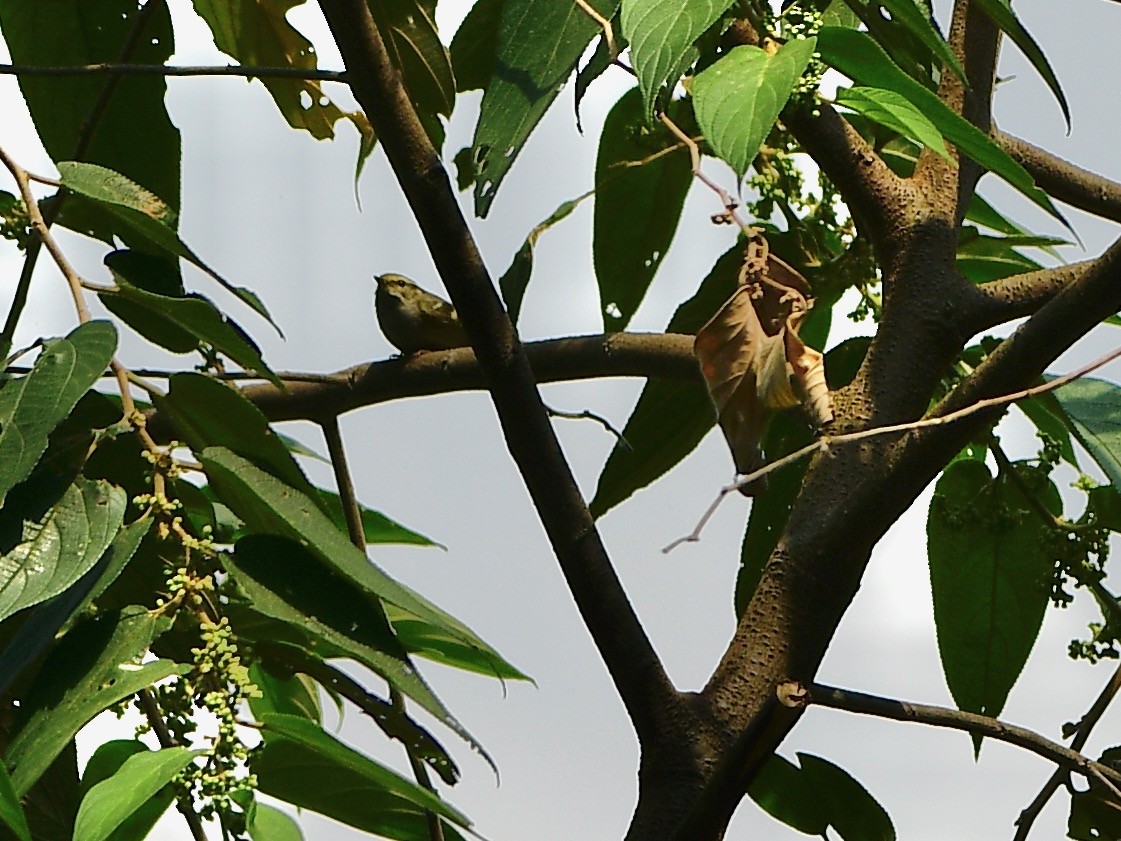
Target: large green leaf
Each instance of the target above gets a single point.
(982, 258)
(1000, 11)
(198, 316)
(285, 582)
(271, 507)
(539, 43)
(32, 406)
(145, 221)
(854, 813)
(134, 135)
(738, 99)
(303, 765)
(88, 672)
(269, 824)
(660, 33)
(257, 33)
(896, 112)
(640, 190)
(61, 546)
(207, 413)
(817, 796)
(11, 812)
(918, 23)
(858, 56)
(150, 273)
(107, 761)
(140, 778)
(990, 572)
(1091, 404)
(671, 416)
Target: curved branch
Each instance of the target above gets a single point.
(172, 70)
(1067, 182)
(638, 674)
(982, 725)
(438, 372)
(1018, 296)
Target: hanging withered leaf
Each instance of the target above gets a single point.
(753, 361)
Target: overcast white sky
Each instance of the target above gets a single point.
(275, 211)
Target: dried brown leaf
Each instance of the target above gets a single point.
(754, 363)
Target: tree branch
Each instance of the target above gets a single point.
(983, 725)
(305, 397)
(1018, 296)
(628, 653)
(172, 70)
(1067, 182)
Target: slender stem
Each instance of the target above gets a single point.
(983, 725)
(163, 735)
(823, 444)
(1091, 718)
(125, 69)
(353, 514)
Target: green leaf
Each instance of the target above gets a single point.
(539, 44)
(474, 46)
(640, 190)
(432, 643)
(257, 33)
(287, 583)
(983, 258)
(146, 220)
(61, 546)
(30, 407)
(290, 694)
(269, 824)
(151, 274)
(781, 790)
(853, 813)
(515, 279)
(377, 527)
(11, 812)
(1048, 417)
(1091, 404)
(134, 135)
(271, 507)
(738, 99)
(660, 33)
(207, 413)
(88, 672)
(917, 21)
(858, 56)
(1000, 12)
(896, 112)
(416, 50)
(109, 803)
(394, 721)
(990, 572)
(303, 765)
(198, 316)
(671, 416)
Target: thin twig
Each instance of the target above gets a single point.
(604, 24)
(353, 514)
(248, 72)
(1093, 715)
(826, 441)
(982, 725)
(42, 230)
(163, 735)
(587, 414)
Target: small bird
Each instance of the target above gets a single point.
(413, 319)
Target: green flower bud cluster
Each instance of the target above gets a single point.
(15, 223)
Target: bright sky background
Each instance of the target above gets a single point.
(275, 211)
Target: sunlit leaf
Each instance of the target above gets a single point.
(896, 112)
(738, 99)
(112, 801)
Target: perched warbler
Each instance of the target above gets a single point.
(415, 320)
